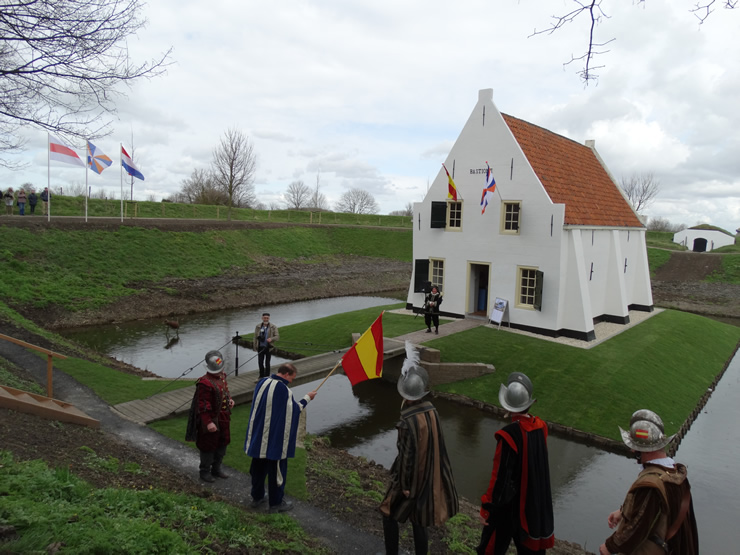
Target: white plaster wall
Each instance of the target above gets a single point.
(480, 239)
(715, 239)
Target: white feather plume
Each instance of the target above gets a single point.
(412, 359)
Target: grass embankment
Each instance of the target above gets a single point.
(86, 269)
(111, 208)
(662, 240)
(53, 509)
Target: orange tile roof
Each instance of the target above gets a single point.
(572, 175)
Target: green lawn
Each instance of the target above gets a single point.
(664, 364)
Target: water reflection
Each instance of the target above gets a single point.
(147, 345)
(587, 483)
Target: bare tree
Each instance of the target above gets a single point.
(357, 201)
(595, 13)
(662, 224)
(297, 196)
(407, 211)
(201, 188)
(234, 166)
(61, 63)
(318, 200)
(640, 189)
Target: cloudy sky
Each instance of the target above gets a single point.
(372, 94)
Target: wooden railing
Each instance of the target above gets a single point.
(49, 356)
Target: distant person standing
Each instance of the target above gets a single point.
(431, 309)
(209, 421)
(271, 436)
(22, 199)
(657, 515)
(9, 198)
(33, 200)
(265, 335)
(422, 488)
(518, 503)
(45, 194)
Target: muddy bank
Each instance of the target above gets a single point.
(269, 281)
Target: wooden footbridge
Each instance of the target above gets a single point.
(176, 402)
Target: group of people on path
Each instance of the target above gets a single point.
(656, 517)
(22, 198)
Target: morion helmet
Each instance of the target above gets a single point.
(517, 395)
(214, 362)
(646, 432)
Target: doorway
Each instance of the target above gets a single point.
(478, 288)
(700, 245)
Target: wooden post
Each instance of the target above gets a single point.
(310, 217)
(136, 209)
(162, 208)
(319, 217)
(49, 373)
(125, 209)
(218, 215)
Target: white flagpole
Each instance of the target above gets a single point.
(48, 177)
(120, 157)
(87, 187)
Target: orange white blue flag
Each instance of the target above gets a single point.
(96, 159)
(364, 360)
(489, 188)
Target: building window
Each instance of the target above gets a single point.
(437, 273)
(454, 215)
(439, 214)
(510, 217)
(530, 288)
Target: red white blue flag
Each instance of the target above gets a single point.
(488, 189)
(96, 159)
(129, 166)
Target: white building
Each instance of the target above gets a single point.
(704, 238)
(558, 241)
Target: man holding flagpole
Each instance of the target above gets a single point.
(271, 436)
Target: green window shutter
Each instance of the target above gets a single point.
(421, 274)
(539, 279)
(439, 214)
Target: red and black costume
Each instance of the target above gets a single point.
(211, 404)
(518, 502)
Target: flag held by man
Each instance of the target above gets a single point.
(451, 189)
(96, 159)
(60, 152)
(488, 189)
(364, 360)
(128, 165)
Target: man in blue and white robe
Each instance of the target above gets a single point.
(271, 435)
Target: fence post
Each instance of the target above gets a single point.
(49, 373)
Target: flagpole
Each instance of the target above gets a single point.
(87, 187)
(330, 373)
(48, 176)
(120, 156)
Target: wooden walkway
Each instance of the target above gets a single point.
(176, 402)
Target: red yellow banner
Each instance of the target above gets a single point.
(364, 360)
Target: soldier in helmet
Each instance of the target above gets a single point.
(518, 503)
(209, 422)
(657, 516)
(422, 487)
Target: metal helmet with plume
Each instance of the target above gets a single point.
(413, 383)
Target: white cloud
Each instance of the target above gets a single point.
(374, 94)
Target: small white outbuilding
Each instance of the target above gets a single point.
(703, 238)
(556, 248)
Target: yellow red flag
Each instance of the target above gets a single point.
(451, 189)
(364, 360)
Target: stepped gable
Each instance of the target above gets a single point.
(572, 174)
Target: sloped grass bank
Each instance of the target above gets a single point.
(665, 364)
(76, 270)
(52, 509)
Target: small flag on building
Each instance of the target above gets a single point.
(489, 188)
(451, 189)
(96, 159)
(60, 152)
(129, 166)
(364, 360)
